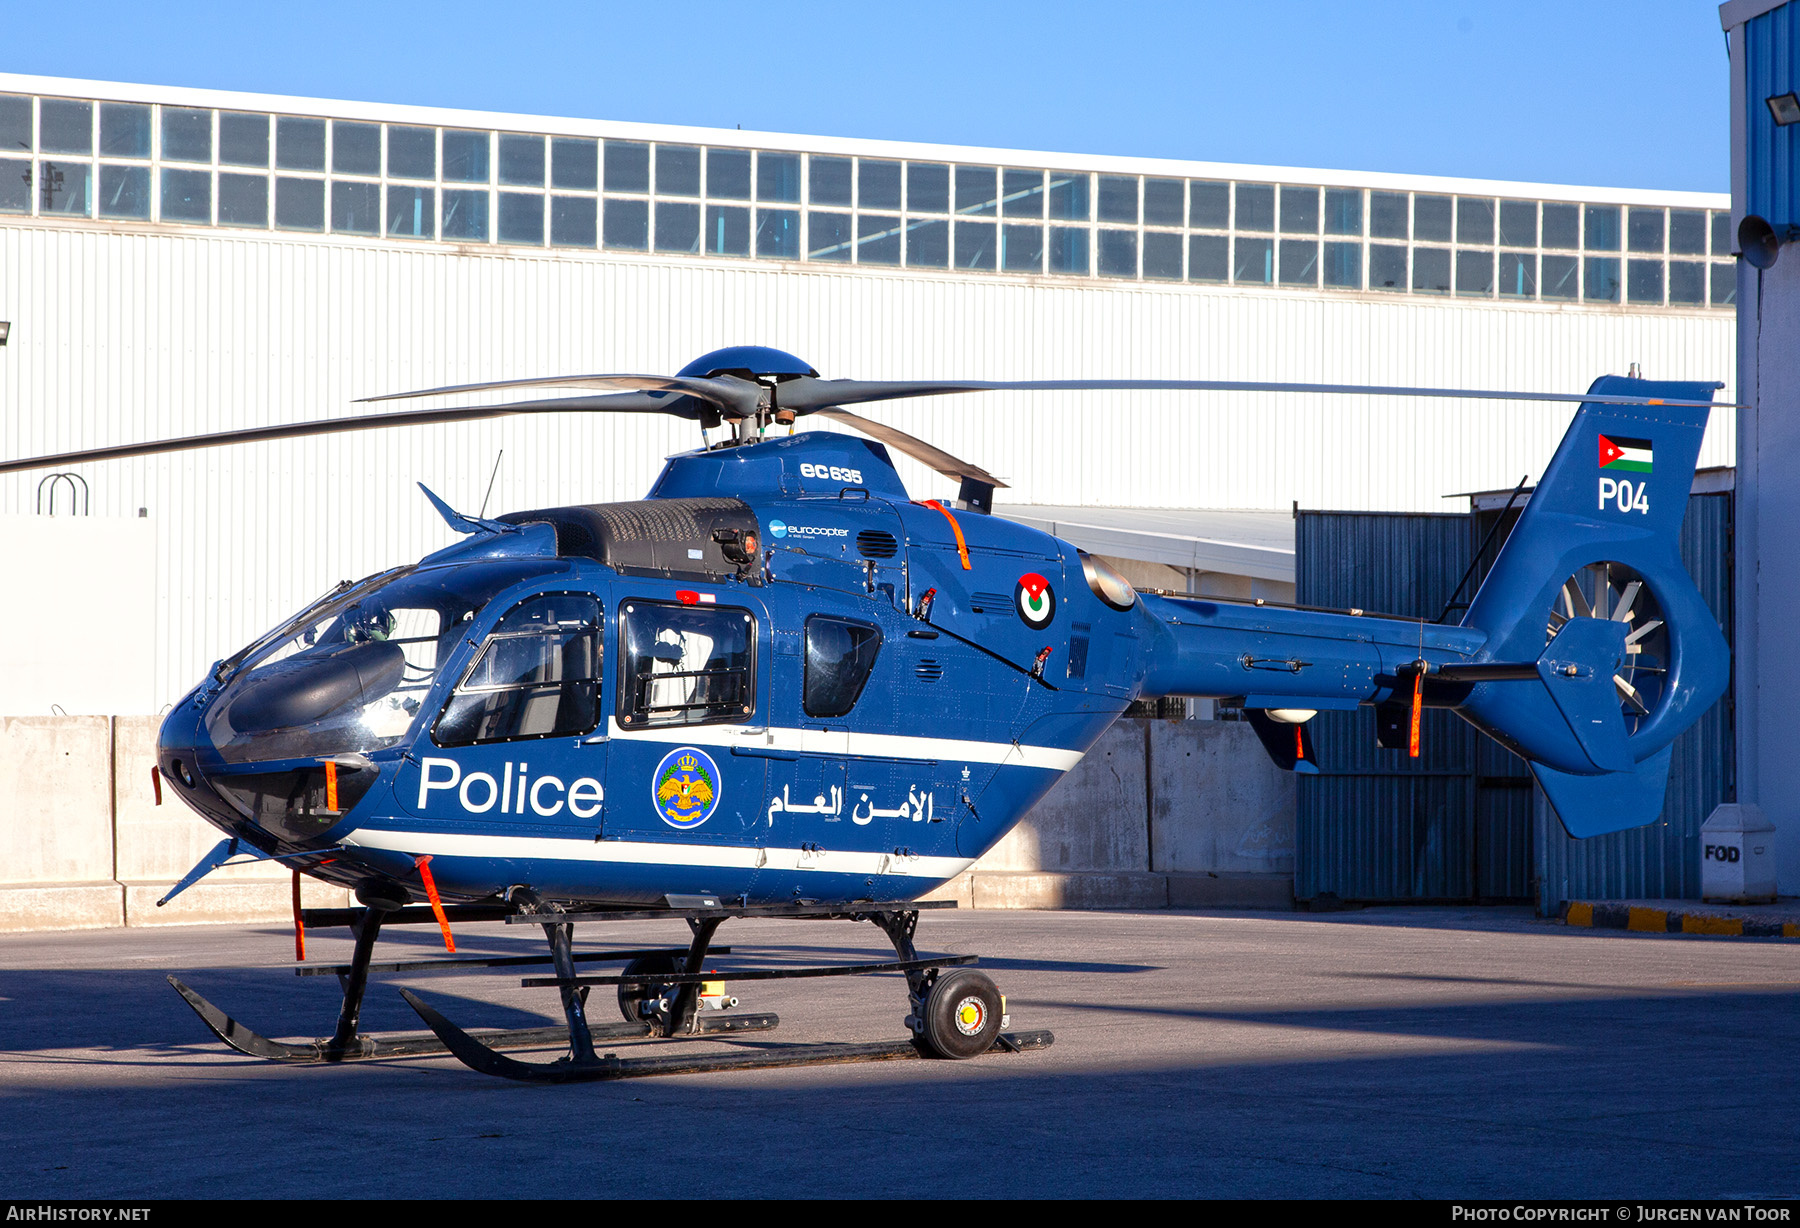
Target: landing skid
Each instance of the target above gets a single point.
(959, 1015)
(477, 1053)
(248, 1041)
(346, 1044)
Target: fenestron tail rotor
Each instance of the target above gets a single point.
(1617, 593)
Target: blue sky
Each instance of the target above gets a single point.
(1590, 92)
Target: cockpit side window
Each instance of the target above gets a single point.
(685, 665)
(537, 675)
(840, 654)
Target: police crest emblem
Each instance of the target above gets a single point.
(685, 789)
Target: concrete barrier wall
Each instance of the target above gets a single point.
(56, 849)
(1218, 804)
(1159, 814)
(84, 845)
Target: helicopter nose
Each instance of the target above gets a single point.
(291, 801)
(182, 746)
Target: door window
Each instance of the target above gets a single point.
(536, 675)
(685, 665)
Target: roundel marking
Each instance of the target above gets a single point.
(1035, 600)
(686, 787)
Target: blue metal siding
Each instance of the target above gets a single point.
(1772, 162)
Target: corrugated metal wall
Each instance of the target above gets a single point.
(1465, 821)
(1377, 825)
(1772, 151)
(126, 335)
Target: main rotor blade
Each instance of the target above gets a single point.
(808, 394)
(627, 402)
(918, 449)
(737, 396)
(684, 396)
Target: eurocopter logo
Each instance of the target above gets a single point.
(1035, 600)
(780, 528)
(685, 789)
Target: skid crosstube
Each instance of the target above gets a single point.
(754, 974)
(499, 961)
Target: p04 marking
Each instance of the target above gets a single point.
(1626, 495)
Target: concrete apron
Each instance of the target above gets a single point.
(1159, 814)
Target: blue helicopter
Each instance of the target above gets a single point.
(778, 686)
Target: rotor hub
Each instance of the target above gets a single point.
(756, 362)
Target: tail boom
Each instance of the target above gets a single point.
(1587, 650)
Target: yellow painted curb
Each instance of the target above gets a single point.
(1734, 926)
(1580, 914)
(1648, 921)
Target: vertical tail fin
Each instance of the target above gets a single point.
(1599, 543)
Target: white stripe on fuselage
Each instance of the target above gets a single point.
(653, 852)
(843, 742)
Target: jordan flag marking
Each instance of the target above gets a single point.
(1621, 455)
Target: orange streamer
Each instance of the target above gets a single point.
(299, 923)
(423, 861)
(1412, 745)
(962, 547)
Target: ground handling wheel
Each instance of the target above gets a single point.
(637, 1003)
(963, 1014)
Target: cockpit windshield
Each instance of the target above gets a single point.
(350, 675)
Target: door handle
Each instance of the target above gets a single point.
(765, 752)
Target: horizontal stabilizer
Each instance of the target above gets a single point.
(1597, 805)
(1290, 746)
(1578, 669)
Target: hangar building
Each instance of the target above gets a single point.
(176, 261)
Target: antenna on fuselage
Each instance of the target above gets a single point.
(490, 489)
